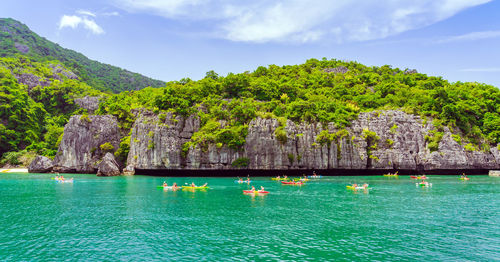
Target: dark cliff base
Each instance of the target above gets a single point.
(300, 172)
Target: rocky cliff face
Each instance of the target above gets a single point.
(91, 103)
(399, 143)
(80, 149)
(41, 164)
(156, 143)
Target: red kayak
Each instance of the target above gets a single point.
(291, 183)
(418, 177)
(255, 192)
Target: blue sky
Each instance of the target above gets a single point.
(169, 40)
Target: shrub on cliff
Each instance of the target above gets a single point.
(107, 147)
(241, 162)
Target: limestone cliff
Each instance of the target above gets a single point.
(80, 149)
(398, 143)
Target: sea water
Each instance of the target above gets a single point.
(130, 219)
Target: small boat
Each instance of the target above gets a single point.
(301, 179)
(243, 181)
(391, 175)
(426, 184)
(279, 179)
(418, 177)
(464, 178)
(195, 187)
(168, 187)
(65, 181)
(255, 192)
(299, 183)
(314, 177)
(357, 188)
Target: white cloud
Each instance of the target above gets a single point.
(87, 22)
(304, 20)
(85, 13)
(471, 36)
(92, 26)
(482, 70)
(114, 13)
(69, 21)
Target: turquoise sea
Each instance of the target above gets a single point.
(130, 219)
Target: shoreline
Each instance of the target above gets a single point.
(13, 170)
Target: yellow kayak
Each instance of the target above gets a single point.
(278, 179)
(390, 175)
(194, 187)
(357, 188)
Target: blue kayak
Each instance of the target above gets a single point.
(242, 182)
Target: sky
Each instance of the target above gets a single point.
(173, 39)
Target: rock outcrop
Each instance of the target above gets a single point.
(91, 103)
(41, 164)
(398, 143)
(156, 142)
(80, 149)
(108, 166)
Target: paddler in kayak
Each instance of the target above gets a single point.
(464, 176)
(204, 185)
(192, 184)
(240, 179)
(165, 184)
(261, 189)
(252, 189)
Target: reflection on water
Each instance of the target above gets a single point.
(130, 218)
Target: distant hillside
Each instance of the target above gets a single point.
(16, 38)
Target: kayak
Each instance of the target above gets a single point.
(65, 181)
(356, 188)
(301, 179)
(255, 192)
(194, 187)
(279, 179)
(292, 183)
(241, 182)
(423, 185)
(168, 187)
(390, 175)
(418, 177)
(464, 178)
(314, 176)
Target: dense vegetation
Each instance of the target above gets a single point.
(325, 91)
(16, 38)
(33, 118)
